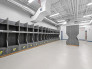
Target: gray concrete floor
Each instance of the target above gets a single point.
(55, 55)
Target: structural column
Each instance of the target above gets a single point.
(72, 32)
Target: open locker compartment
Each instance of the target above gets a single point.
(13, 26)
(30, 36)
(53, 35)
(48, 35)
(40, 35)
(3, 24)
(36, 35)
(3, 37)
(23, 27)
(23, 36)
(44, 35)
(30, 40)
(22, 41)
(30, 28)
(3, 43)
(13, 45)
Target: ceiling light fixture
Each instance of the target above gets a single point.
(61, 21)
(87, 15)
(54, 14)
(86, 23)
(89, 4)
(30, 1)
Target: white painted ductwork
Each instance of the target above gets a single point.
(41, 15)
(43, 11)
(22, 6)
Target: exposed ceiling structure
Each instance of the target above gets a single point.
(65, 10)
(71, 10)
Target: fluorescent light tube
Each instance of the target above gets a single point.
(61, 21)
(30, 1)
(87, 15)
(86, 23)
(54, 15)
(89, 4)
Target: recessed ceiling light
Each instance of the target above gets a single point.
(54, 14)
(30, 1)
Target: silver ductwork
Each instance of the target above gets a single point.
(32, 12)
(22, 6)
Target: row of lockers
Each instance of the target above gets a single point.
(16, 36)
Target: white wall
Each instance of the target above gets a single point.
(81, 35)
(89, 32)
(14, 13)
(63, 29)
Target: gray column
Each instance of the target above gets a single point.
(72, 32)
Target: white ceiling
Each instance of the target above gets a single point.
(71, 9)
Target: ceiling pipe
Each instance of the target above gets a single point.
(22, 6)
(32, 12)
(50, 21)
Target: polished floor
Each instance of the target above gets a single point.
(55, 55)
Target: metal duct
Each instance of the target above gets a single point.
(32, 12)
(22, 6)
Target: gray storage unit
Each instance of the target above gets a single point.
(16, 36)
